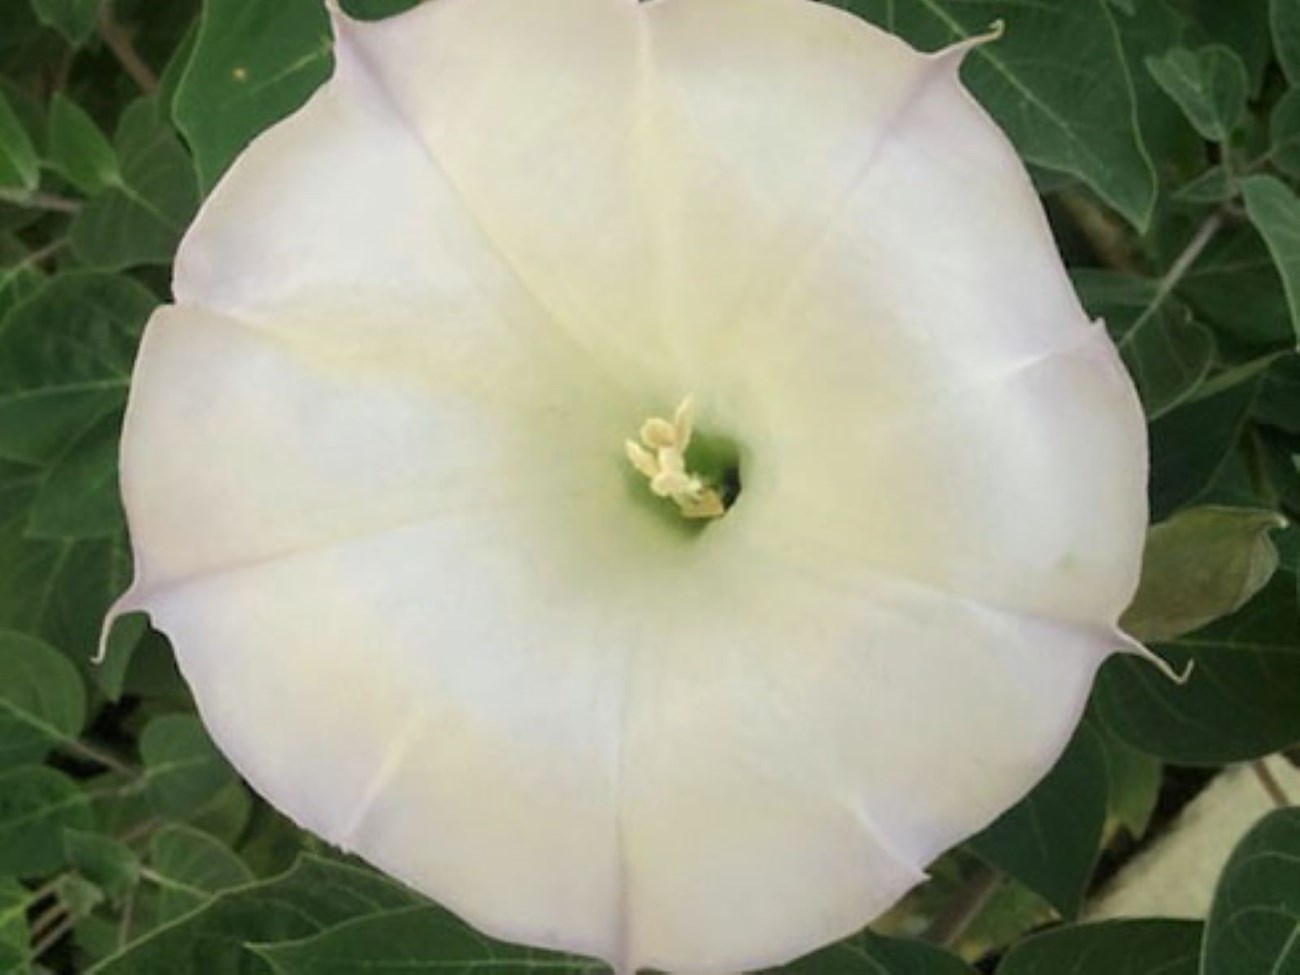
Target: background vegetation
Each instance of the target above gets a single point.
(1165, 138)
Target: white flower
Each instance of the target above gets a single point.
(377, 471)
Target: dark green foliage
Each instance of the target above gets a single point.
(1165, 138)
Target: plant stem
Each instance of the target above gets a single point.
(118, 40)
(128, 915)
(1177, 271)
(53, 936)
(48, 919)
(38, 257)
(1107, 236)
(36, 200)
(1270, 783)
(101, 757)
(47, 889)
(968, 903)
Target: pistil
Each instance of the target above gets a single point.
(661, 458)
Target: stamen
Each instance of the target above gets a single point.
(661, 458)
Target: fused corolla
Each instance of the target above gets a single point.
(456, 589)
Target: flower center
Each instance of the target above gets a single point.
(660, 457)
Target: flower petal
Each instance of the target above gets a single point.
(374, 467)
(674, 149)
(354, 354)
(810, 736)
(1024, 489)
(419, 697)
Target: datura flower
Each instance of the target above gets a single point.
(636, 472)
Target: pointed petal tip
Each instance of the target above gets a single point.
(1138, 649)
(128, 602)
(955, 54)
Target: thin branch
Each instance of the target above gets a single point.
(118, 40)
(1108, 236)
(1177, 271)
(38, 257)
(100, 757)
(139, 831)
(967, 904)
(1270, 783)
(128, 916)
(49, 918)
(47, 889)
(53, 936)
(36, 200)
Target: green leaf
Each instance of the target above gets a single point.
(1030, 82)
(377, 9)
(36, 805)
(1191, 444)
(1284, 133)
(1149, 28)
(1049, 841)
(1235, 287)
(1201, 564)
(1133, 783)
(57, 590)
(872, 954)
(253, 64)
(20, 275)
(1127, 947)
(78, 150)
(191, 867)
(111, 866)
(1241, 700)
(14, 901)
(76, 20)
(1214, 185)
(1208, 84)
(19, 165)
(1275, 212)
(1254, 923)
(183, 768)
(225, 815)
(1167, 352)
(313, 896)
(66, 356)
(140, 218)
(418, 941)
(79, 495)
(42, 700)
(1279, 396)
(1240, 24)
(78, 895)
(1284, 19)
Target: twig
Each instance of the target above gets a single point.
(47, 889)
(49, 918)
(1177, 271)
(36, 200)
(100, 757)
(1107, 236)
(39, 257)
(139, 831)
(128, 915)
(968, 903)
(53, 936)
(1270, 783)
(118, 40)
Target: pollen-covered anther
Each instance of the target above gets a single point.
(661, 458)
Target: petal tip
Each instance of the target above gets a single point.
(955, 54)
(1138, 649)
